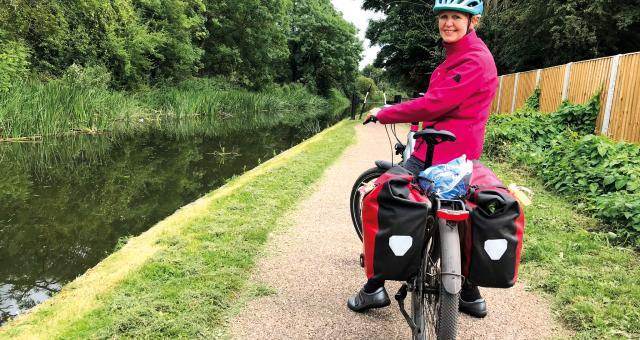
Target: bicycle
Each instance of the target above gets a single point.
(435, 289)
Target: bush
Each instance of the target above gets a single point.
(580, 118)
(600, 175)
(14, 62)
(533, 102)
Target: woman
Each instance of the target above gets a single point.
(458, 99)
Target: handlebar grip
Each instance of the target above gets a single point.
(371, 119)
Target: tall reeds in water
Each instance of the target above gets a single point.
(81, 101)
(209, 106)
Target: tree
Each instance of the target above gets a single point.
(247, 40)
(14, 61)
(180, 28)
(409, 38)
(364, 85)
(525, 35)
(324, 48)
(137, 40)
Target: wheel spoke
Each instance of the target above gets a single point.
(431, 300)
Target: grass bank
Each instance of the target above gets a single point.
(181, 278)
(594, 285)
(81, 102)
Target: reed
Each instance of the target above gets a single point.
(77, 103)
(59, 107)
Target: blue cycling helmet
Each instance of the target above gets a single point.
(473, 7)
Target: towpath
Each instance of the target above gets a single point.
(313, 268)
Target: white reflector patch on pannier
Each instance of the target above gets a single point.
(400, 244)
(495, 248)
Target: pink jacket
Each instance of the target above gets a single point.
(459, 98)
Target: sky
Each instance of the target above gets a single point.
(352, 12)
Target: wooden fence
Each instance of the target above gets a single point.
(617, 76)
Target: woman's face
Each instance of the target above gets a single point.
(453, 25)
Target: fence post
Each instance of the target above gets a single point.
(610, 94)
(515, 92)
(499, 95)
(538, 75)
(565, 87)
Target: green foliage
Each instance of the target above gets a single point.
(592, 282)
(247, 40)
(601, 175)
(78, 101)
(180, 28)
(364, 85)
(14, 62)
(81, 101)
(559, 31)
(580, 118)
(218, 110)
(409, 39)
(533, 102)
(381, 79)
(324, 49)
(87, 33)
(142, 43)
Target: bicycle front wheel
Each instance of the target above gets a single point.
(355, 199)
(435, 311)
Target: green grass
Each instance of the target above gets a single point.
(189, 287)
(594, 285)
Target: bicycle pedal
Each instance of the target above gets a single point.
(402, 293)
(362, 260)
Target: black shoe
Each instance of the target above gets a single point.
(476, 308)
(363, 301)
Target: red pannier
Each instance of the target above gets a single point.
(394, 219)
(492, 238)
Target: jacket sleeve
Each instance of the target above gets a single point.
(445, 95)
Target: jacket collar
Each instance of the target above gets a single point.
(461, 45)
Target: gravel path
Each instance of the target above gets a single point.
(313, 268)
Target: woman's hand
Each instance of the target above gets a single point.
(373, 112)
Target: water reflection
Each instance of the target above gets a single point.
(65, 203)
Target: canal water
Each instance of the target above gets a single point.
(66, 204)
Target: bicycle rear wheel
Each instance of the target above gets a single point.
(435, 311)
(355, 199)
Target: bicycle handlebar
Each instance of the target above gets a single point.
(371, 119)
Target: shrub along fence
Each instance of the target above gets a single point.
(616, 76)
(598, 174)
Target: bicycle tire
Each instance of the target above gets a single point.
(355, 199)
(435, 315)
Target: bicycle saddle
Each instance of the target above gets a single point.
(434, 137)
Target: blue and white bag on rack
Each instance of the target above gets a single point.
(447, 180)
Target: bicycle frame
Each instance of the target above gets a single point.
(411, 142)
